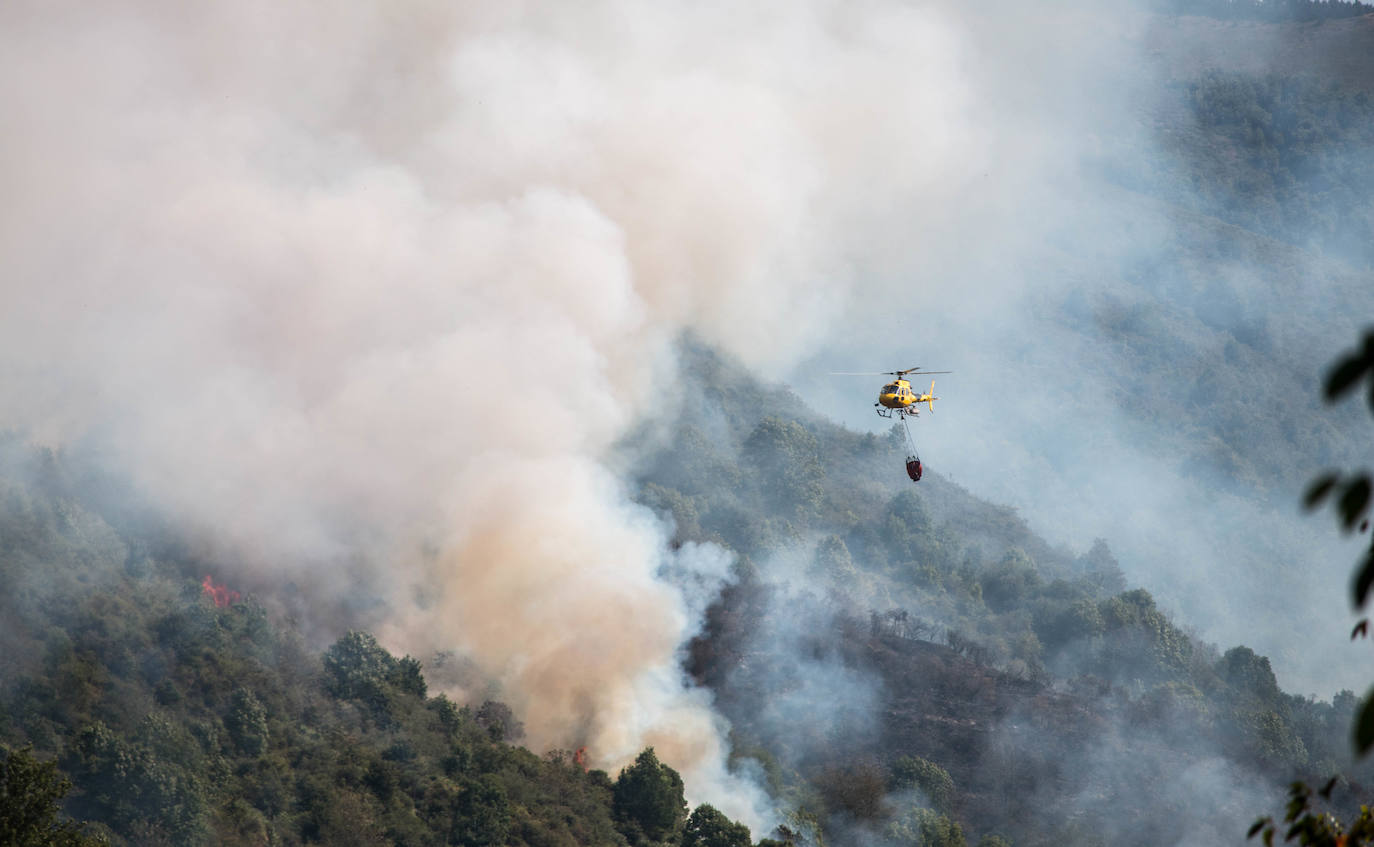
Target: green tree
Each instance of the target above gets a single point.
(906, 513)
(407, 676)
(481, 814)
(708, 827)
(357, 667)
(1265, 733)
(648, 799)
(832, 560)
(929, 778)
(926, 828)
(1101, 567)
(247, 723)
(1060, 625)
(1141, 641)
(131, 787)
(31, 795)
(785, 458)
(1249, 675)
(499, 721)
(1011, 582)
(906, 527)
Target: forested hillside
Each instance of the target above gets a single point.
(900, 663)
(1256, 172)
(879, 627)
(897, 663)
(185, 714)
(1166, 362)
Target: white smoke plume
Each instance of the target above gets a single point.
(365, 293)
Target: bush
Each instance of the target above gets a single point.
(648, 799)
(247, 723)
(708, 827)
(31, 795)
(927, 777)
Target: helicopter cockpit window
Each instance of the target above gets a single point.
(890, 389)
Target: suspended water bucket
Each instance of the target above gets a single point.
(913, 468)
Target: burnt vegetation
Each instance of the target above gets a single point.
(131, 702)
(900, 664)
(900, 659)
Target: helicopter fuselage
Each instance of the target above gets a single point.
(898, 396)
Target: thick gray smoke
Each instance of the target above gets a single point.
(363, 296)
(1113, 350)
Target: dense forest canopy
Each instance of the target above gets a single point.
(881, 663)
(929, 623)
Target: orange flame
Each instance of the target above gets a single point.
(580, 757)
(219, 593)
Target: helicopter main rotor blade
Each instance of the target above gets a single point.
(886, 373)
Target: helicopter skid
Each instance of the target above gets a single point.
(884, 412)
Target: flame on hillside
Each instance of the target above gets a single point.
(221, 594)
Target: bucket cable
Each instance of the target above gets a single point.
(910, 442)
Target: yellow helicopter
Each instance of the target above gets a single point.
(898, 397)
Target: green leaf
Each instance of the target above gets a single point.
(1330, 786)
(1361, 630)
(1354, 500)
(1364, 580)
(1319, 489)
(1345, 375)
(1364, 726)
(1256, 827)
(1295, 808)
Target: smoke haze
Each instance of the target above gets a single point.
(1099, 327)
(365, 297)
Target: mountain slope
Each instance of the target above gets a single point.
(876, 621)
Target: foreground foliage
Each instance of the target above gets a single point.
(31, 795)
